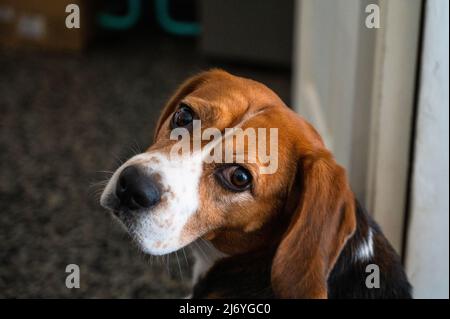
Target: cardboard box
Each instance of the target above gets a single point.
(42, 24)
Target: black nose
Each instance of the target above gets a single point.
(136, 190)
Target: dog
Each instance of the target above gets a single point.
(298, 232)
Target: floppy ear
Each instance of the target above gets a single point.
(320, 226)
(189, 86)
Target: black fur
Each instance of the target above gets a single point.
(347, 280)
(248, 276)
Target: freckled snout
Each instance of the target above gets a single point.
(136, 190)
(154, 197)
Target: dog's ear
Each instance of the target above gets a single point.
(319, 227)
(189, 86)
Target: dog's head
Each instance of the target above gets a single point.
(169, 196)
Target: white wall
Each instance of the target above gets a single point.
(428, 236)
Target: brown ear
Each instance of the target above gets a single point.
(189, 86)
(320, 226)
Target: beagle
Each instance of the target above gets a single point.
(296, 232)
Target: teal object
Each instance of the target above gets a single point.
(114, 22)
(172, 26)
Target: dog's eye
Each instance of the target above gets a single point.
(182, 117)
(235, 178)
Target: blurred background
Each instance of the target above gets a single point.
(372, 76)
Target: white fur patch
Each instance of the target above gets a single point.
(365, 249)
(158, 229)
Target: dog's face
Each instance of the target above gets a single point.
(168, 201)
(173, 200)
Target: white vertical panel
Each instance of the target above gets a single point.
(428, 235)
(324, 67)
(333, 71)
(395, 68)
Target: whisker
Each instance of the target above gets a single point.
(201, 250)
(137, 147)
(207, 244)
(119, 161)
(185, 257)
(132, 150)
(168, 264)
(179, 266)
(99, 183)
(98, 186)
(208, 247)
(105, 172)
(95, 191)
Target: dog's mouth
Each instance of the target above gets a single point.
(153, 198)
(146, 230)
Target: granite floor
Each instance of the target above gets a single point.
(63, 120)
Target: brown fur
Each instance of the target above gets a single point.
(306, 208)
